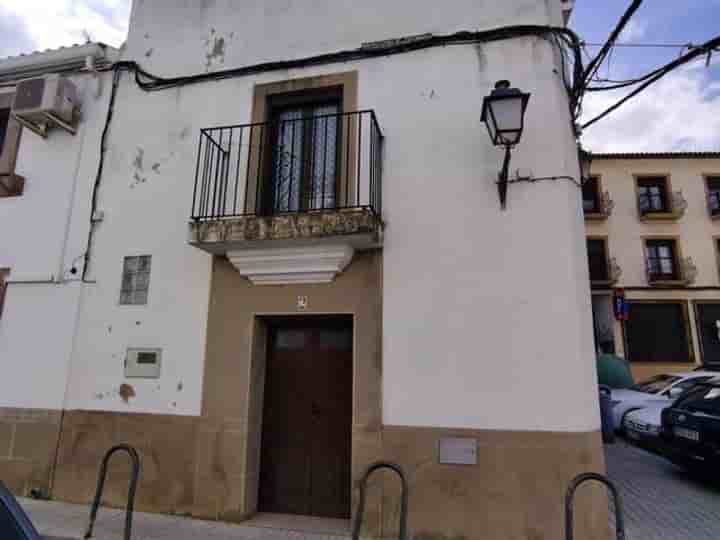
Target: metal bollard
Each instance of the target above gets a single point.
(570, 495)
(135, 458)
(357, 525)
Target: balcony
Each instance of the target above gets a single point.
(654, 208)
(683, 276)
(598, 208)
(290, 201)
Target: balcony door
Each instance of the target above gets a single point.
(304, 152)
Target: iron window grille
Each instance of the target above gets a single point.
(296, 163)
(135, 280)
(661, 259)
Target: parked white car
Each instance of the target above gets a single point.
(644, 425)
(658, 390)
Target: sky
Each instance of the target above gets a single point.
(682, 112)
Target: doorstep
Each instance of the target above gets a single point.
(296, 523)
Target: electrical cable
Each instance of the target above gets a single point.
(152, 83)
(656, 76)
(595, 64)
(644, 45)
(98, 176)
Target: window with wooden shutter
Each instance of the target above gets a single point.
(11, 184)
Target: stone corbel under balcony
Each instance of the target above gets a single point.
(605, 208)
(687, 275)
(311, 247)
(678, 206)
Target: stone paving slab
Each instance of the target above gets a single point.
(662, 502)
(69, 521)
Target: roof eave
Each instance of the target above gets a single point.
(656, 155)
(55, 61)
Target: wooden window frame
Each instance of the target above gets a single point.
(707, 178)
(688, 332)
(347, 82)
(606, 250)
(303, 98)
(597, 211)
(667, 212)
(11, 184)
(716, 250)
(677, 258)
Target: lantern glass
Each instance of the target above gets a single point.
(507, 114)
(504, 114)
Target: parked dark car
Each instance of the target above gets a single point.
(691, 429)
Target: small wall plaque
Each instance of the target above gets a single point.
(457, 451)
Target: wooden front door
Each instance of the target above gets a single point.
(307, 420)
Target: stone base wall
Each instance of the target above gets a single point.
(28, 444)
(190, 465)
(194, 466)
(516, 490)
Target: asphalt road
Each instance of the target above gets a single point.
(662, 502)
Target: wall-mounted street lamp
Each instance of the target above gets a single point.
(504, 115)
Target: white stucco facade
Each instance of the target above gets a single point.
(480, 306)
(42, 237)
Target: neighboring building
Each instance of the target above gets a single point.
(329, 280)
(45, 189)
(653, 232)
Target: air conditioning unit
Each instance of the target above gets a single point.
(45, 102)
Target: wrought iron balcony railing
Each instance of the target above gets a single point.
(309, 164)
(651, 207)
(600, 208)
(684, 274)
(607, 274)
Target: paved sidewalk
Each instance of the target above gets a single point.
(69, 521)
(662, 502)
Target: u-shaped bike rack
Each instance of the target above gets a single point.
(357, 525)
(135, 473)
(570, 496)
